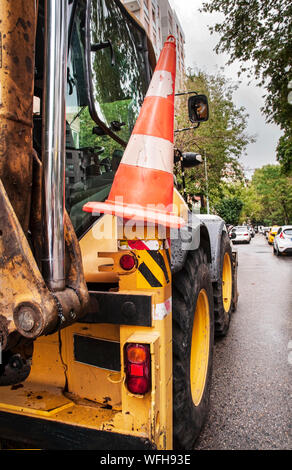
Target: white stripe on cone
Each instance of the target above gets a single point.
(149, 152)
(161, 84)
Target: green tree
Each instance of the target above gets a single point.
(284, 152)
(253, 209)
(230, 209)
(268, 197)
(222, 139)
(258, 32)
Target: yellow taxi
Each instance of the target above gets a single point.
(272, 233)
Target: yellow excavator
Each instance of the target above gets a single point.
(106, 339)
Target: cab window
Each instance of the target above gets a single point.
(92, 159)
(118, 65)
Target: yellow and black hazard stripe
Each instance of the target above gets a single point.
(168, 256)
(154, 268)
(149, 277)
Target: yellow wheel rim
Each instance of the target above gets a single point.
(200, 348)
(227, 283)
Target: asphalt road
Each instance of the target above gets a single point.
(252, 373)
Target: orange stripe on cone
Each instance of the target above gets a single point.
(156, 109)
(167, 59)
(136, 179)
(143, 184)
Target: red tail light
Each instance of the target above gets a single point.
(138, 368)
(282, 236)
(127, 262)
(246, 235)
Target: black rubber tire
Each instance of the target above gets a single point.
(222, 318)
(188, 419)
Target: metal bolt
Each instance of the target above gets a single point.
(26, 318)
(129, 310)
(16, 362)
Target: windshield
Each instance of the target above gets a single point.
(275, 229)
(118, 65)
(91, 159)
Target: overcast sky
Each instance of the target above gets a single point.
(199, 53)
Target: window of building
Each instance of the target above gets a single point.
(147, 25)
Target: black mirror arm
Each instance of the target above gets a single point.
(187, 128)
(186, 93)
(178, 158)
(104, 45)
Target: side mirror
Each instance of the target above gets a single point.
(233, 235)
(198, 108)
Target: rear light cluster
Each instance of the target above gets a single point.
(282, 236)
(138, 368)
(127, 262)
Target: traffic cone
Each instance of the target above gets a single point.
(143, 185)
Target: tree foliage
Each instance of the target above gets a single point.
(259, 33)
(222, 139)
(230, 209)
(267, 199)
(284, 152)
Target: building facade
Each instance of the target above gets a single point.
(170, 24)
(160, 20)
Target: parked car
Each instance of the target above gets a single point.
(240, 234)
(283, 240)
(251, 230)
(229, 230)
(272, 234)
(266, 231)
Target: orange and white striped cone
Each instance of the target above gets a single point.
(143, 185)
